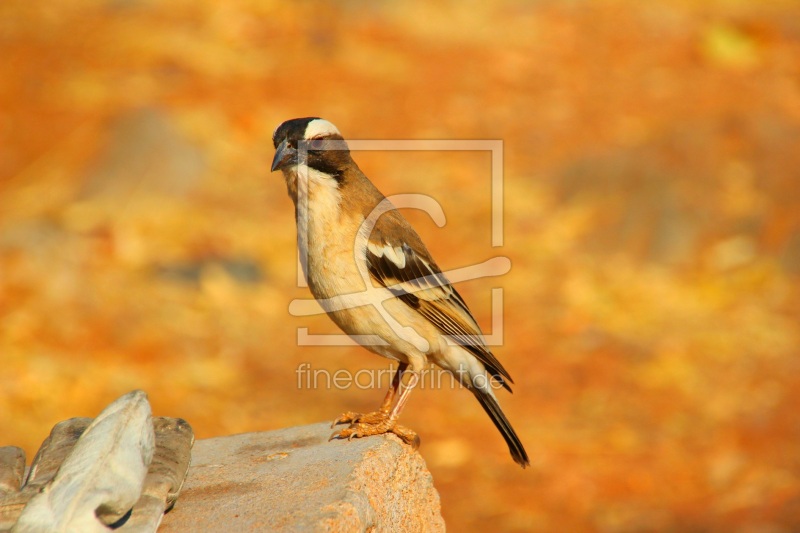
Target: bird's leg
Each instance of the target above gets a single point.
(379, 415)
(387, 422)
(409, 436)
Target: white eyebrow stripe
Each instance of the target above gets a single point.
(320, 127)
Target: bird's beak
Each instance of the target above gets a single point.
(284, 155)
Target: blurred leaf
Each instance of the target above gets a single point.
(728, 46)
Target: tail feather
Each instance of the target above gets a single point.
(492, 408)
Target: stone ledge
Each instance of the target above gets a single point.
(295, 480)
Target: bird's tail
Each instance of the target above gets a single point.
(492, 408)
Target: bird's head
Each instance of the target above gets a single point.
(310, 141)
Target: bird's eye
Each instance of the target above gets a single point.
(316, 144)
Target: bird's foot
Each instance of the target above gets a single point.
(351, 418)
(362, 428)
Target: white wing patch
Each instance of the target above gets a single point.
(401, 269)
(419, 283)
(392, 253)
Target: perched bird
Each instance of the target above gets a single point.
(375, 278)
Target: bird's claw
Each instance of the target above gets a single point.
(346, 418)
(373, 418)
(340, 435)
(407, 435)
(358, 430)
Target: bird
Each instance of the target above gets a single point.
(375, 278)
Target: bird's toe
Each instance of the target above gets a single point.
(407, 435)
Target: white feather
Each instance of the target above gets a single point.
(320, 128)
(318, 207)
(394, 254)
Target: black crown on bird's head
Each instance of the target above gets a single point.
(312, 141)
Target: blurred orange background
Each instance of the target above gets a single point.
(652, 172)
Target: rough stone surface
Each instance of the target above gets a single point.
(295, 480)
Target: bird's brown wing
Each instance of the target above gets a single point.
(404, 266)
